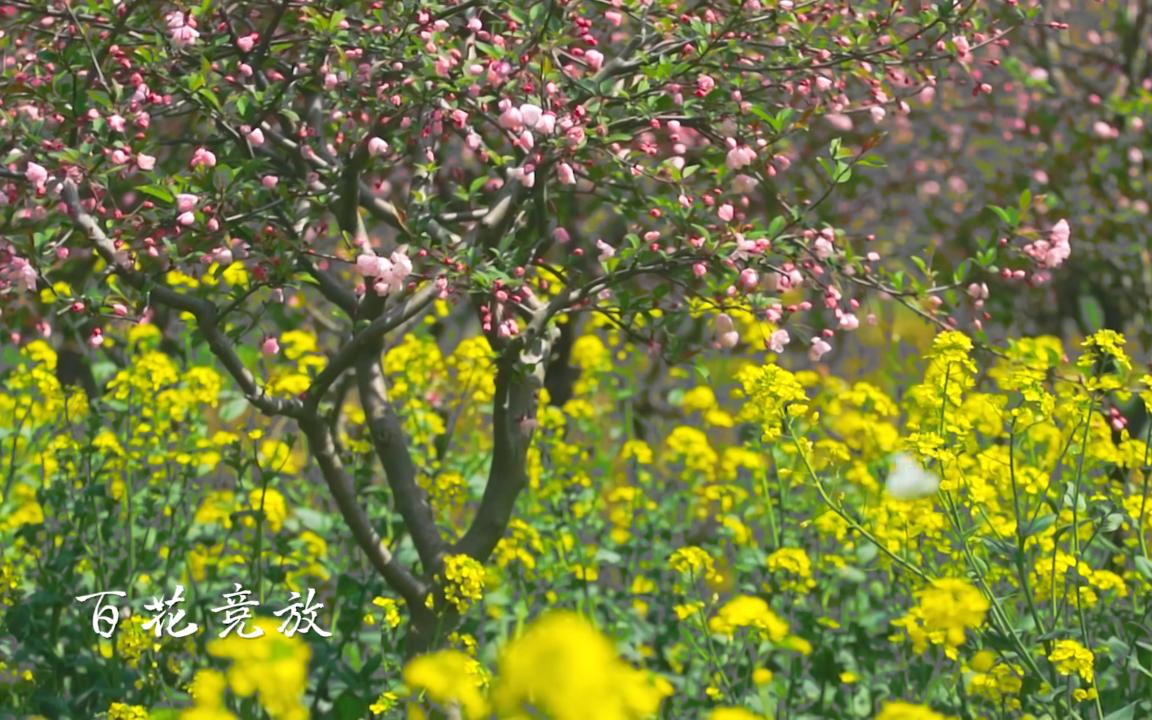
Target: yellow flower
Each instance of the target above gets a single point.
(463, 581)
(391, 610)
(563, 668)
(121, 711)
(748, 611)
(946, 609)
(207, 691)
(899, 710)
(1101, 346)
(694, 562)
(732, 713)
(271, 503)
(384, 703)
(792, 568)
(640, 450)
(1070, 657)
(772, 394)
(447, 677)
(277, 456)
(273, 667)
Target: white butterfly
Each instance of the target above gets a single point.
(908, 480)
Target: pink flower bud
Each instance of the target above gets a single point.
(270, 346)
(377, 146)
(565, 174)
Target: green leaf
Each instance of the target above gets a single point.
(1025, 201)
(1128, 712)
(703, 372)
(1144, 566)
(157, 192)
(1091, 312)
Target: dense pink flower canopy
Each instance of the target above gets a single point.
(312, 140)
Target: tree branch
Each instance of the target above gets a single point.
(364, 341)
(392, 449)
(206, 314)
(513, 417)
(323, 448)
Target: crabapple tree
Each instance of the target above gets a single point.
(246, 168)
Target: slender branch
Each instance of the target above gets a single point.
(364, 341)
(323, 448)
(207, 315)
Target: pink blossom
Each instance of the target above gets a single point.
(389, 273)
(819, 349)
(778, 340)
(247, 42)
(145, 162)
(849, 322)
(119, 157)
(36, 174)
(749, 278)
(270, 346)
(547, 123)
(185, 202)
(823, 248)
(223, 256)
(116, 123)
(978, 291)
(511, 119)
(606, 250)
(525, 175)
(739, 156)
(595, 59)
(726, 212)
(744, 184)
(1103, 130)
(256, 136)
(704, 85)
(203, 157)
(20, 271)
(186, 218)
(1051, 253)
(96, 337)
(726, 335)
(181, 32)
(839, 121)
(565, 174)
(963, 49)
(530, 114)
